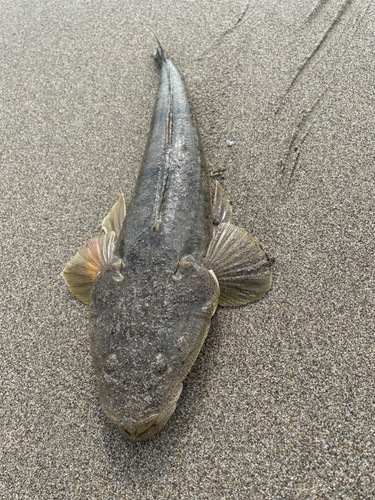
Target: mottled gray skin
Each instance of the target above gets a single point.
(150, 312)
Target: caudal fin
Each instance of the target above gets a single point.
(160, 54)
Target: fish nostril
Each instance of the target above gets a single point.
(160, 364)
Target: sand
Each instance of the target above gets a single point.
(280, 402)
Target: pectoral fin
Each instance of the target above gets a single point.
(115, 218)
(221, 209)
(81, 271)
(240, 265)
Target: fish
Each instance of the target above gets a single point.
(163, 264)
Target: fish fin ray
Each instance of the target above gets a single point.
(82, 269)
(115, 218)
(221, 210)
(240, 265)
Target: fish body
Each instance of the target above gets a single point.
(155, 278)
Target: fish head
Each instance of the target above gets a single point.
(146, 332)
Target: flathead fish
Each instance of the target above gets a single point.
(153, 280)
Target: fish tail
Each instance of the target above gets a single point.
(160, 55)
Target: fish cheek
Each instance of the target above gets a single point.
(194, 296)
(107, 301)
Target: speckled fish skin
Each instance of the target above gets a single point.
(151, 312)
(153, 280)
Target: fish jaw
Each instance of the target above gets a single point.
(145, 336)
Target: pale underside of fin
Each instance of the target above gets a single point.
(221, 209)
(98, 253)
(240, 265)
(115, 218)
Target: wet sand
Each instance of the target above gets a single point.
(280, 403)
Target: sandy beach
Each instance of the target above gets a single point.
(280, 402)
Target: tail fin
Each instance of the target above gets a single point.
(160, 54)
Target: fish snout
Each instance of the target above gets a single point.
(137, 430)
(140, 429)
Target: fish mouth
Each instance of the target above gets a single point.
(140, 429)
(136, 429)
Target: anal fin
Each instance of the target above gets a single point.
(240, 265)
(221, 209)
(115, 218)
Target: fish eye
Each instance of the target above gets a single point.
(111, 363)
